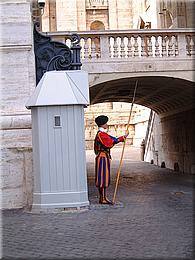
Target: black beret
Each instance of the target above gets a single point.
(101, 120)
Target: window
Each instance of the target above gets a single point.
(57, 121)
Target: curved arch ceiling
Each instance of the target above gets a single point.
(161, 94)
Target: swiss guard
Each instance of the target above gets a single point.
(102, 144)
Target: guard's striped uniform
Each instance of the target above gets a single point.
(102, 144)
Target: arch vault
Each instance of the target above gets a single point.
(170, 140)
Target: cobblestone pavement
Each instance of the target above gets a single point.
(153, 219)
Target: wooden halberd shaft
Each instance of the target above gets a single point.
(121, 159)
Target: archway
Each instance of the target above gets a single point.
(97, 26)
(118, 115)
(172, 100)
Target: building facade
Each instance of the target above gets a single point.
(86, 15)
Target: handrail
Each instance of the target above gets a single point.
(121, 32)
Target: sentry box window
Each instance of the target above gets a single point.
(57, 121)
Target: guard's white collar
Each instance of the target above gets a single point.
(101, 129)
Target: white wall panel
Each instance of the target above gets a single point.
(43, 146)
(65, 155)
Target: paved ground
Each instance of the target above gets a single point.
(153, 219)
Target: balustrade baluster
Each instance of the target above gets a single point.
(82, 48)
(170, 46)
(98, 49)
(115, 48)
(110, 47)
(176, 45)
(192, 46)
(122, 47)
(86, 48)
(143, 46)
(68, 42)
(129, 48)
(149, 46)
(164, 49)
(90, 45)
(93, 48)
(157, 52)
(136, 51)
(188, 45)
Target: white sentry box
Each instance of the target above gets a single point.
(59, 158)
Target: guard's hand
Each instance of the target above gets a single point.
(126, 133)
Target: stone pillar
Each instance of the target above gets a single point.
(17, 83)
(81, 15)
(135, 14)
(113, 22)
(52, 14)
(49, 17)
(190, 6)
(66, 15)
(153, 15)
(46, 18)
(124, 13)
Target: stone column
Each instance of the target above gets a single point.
(190, 5)
(81, 15)
(154, 14)
(124, 12)
(45, 18)
(52, 14)
(66, 15)
(113, 22)
(49, 17)
(17, 83)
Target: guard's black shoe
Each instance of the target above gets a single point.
(103, 201)
(108, 201)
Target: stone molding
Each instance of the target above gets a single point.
(15, 122)
(12, 47)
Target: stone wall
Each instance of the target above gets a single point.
(172, 141)
(17, 84)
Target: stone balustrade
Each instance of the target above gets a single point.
(132, 44)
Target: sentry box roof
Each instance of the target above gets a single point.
(61, 88)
